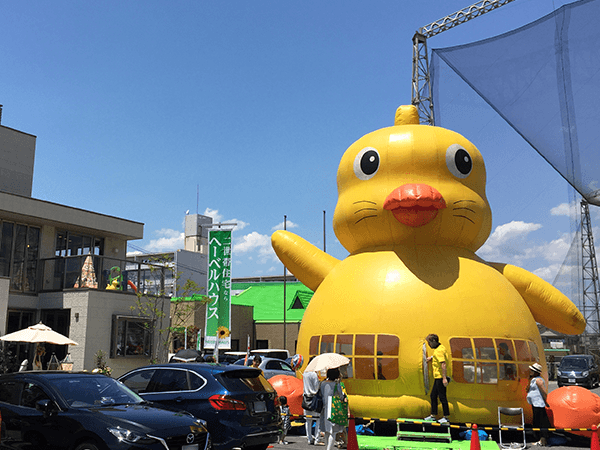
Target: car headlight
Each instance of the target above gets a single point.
(585, 373)
(199, 427)
(558, 372)
(129, 436)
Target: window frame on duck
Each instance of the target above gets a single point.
(477, 360)
(372, 356)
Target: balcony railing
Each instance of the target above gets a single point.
(104, 273)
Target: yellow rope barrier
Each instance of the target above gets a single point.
(466, 426)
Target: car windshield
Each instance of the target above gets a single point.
(86, 391)
(573, 363)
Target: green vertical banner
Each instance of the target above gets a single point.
(218, 309)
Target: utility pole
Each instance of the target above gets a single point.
(284, 285)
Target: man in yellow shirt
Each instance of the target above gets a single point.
(439, 360)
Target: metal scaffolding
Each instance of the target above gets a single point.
(589, 269)
(421, 81)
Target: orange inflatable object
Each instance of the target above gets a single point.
(574, 407)
(132, 286)
(292, 388)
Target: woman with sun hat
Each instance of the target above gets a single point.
(536, 397)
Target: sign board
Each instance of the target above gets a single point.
(218, 309)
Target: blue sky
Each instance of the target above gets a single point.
(138, 105)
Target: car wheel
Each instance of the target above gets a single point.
(88, 446)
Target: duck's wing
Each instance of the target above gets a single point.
(309, 264)
(549, 306)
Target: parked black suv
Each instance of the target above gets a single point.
(237, 402)
(578, 370)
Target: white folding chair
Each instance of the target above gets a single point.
(513, 428)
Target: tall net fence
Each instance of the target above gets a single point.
(543, 80)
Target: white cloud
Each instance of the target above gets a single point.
(257, 246)
(288, 224)
(548, 273)
(251, 242)
(509, 239)
(214, 213)
(240, 224)
(564, 209)
(556, 250)
(217, 218)
(168, 240)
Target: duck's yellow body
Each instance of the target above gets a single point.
(412, 211)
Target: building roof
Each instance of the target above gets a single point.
(267, 300)
(34, 211)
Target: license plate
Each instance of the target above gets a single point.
(571, 380)
(190, 447)
(260, 407)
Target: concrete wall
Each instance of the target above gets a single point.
(91, 325)
(273, 332)
(17, 155)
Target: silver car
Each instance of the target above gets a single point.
(270, 367)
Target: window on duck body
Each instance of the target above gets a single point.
(489, 365)
(327, 343)
(372, 357)
(506, 352)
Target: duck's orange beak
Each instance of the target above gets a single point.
(414, 204)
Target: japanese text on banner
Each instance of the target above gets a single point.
(218, 309)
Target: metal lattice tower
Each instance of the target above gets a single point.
(421, 80)
(589, 268)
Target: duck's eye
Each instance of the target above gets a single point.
(366, 163)
(459, 162)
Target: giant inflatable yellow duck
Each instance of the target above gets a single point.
(412, 211)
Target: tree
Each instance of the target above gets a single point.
(155, 305)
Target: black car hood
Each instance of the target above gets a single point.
(144, 417)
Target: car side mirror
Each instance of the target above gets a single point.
(45, 406)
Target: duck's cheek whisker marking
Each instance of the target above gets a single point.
(365, 209)
(467, 209)
(463, 217)
(366, 217)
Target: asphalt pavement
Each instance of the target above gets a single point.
(297, 440)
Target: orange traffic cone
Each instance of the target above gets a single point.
(595, 443)
(475, 445)
(352, 440)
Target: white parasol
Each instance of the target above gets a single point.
(38, 334)
(326, 361)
